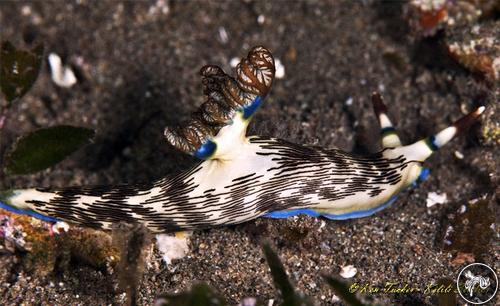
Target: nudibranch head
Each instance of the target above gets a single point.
(227, 99)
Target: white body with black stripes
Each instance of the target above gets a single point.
(268, 175)
(243, 178)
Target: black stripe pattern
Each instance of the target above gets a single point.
(276, 175)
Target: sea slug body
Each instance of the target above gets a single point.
(241, 178)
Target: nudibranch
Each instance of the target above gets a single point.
(241, 178)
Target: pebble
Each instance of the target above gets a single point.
(348, 271)
(434, 198)
(459, 155)
(171, 247)
(62, 76)
(261, 19)
(234, 62)
(280, 69)
(223, 36)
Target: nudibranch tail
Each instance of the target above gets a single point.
(220, 123)
(5, 203)
(423, 149)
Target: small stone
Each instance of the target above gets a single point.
(459, 155)
(234, 62)
(62, 76)
(280, 69)
(249, 301)
(322, 224)
(172, 247)
(261, 19)
(477, 49)
(26, 10)
(434, 198)
(462, 258)
(223, 36)
(462, 209)
(348, 271)
(335, 298)
(60, 227)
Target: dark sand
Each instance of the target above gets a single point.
(139, 73)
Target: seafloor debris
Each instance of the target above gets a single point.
(223, 36)
(42, 252)
(172, 247)
(249, 301)
(12, 235)
(131, 241)
(161, 6)
(426, 17)
(348, 271)
(469, 231)
(458, 154)
(89, 247)
(434, 198)
(61, 74)
(477, 49)
(60, 227)
(491, 125)
(462, 258)
(280, 69)
(471, 39)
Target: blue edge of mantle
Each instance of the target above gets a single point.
(275, 214)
